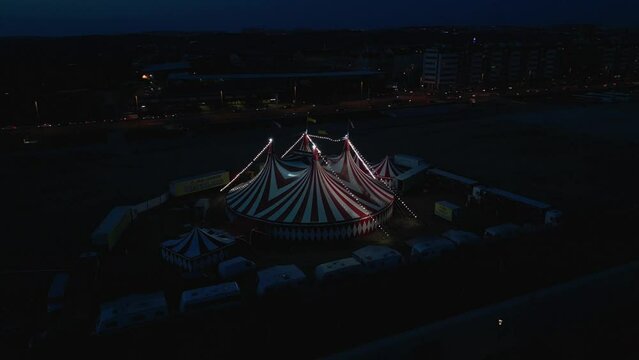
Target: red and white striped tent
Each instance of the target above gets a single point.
(358, 177)
(294, 201)
(305, 145)
(197, 249)
(386, 169)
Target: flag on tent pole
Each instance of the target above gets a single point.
(311, 120)
(351, 123)
(322, 132)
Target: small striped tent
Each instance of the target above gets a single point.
(386, 171)
(197, 249)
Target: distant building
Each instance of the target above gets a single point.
(476, 68)
(406, 69)
(256, 88)
(550, 64)
(496, 59)
(441, 68)
(513, 69)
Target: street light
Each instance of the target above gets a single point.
(37, 109)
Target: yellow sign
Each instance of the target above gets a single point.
(199, 183)
(444, 211)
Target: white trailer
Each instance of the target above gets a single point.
(57, 292)
(338, 269)
(409, 161)
(410, 179)
(377, 258)
(210, 296)
(516, 207)
(277, 278)
(442, 179)
(131, 311)
(235, 267)
(503, 232)
(430, 247)
(463, 238)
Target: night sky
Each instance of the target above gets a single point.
(74, 17)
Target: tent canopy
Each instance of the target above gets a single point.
(198, 242)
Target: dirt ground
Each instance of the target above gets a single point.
(56, 196)
(579, 158)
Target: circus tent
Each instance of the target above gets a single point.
(358, 177)
(305, 145)
(197, 249)
(295, 201)
(386, 170)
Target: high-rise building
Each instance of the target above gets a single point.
(476, 68)
(441, 68)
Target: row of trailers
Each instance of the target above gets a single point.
(497, 204)
(146, 309)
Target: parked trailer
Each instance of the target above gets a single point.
(441, 179)
(409, 161)
(503, 232)
(377, 258)
(463, 238)
(553, 218)
(57, 291)
(410, 179)
(131, 311)
(428, 248)
(210, 296)
(277, 278)
(513, 207)
(110, 230)
(338, 269)
(235, 268)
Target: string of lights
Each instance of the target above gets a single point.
(293, 146)
(348, 191)
(326, 138)
(249, 165)
(367, 166)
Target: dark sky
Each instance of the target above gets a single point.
(72, 17)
